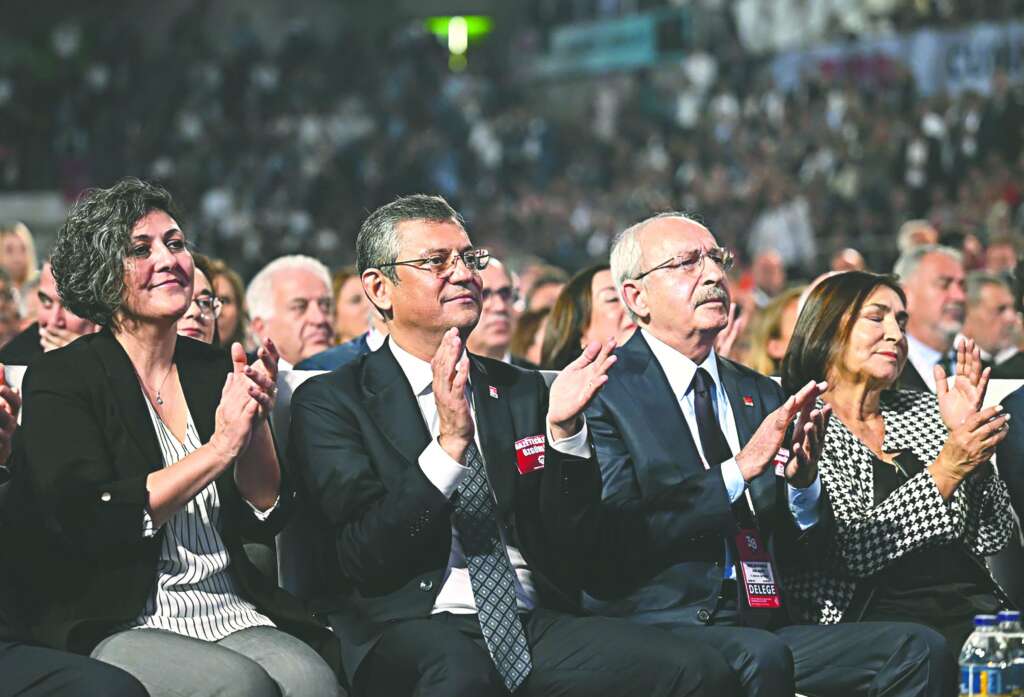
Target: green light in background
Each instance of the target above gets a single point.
(476, 26)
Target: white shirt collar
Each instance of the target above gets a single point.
(679, 369)
(375, 339)
(417, 371)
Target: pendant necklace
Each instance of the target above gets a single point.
(159, 399)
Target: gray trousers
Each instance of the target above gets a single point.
(255, 662)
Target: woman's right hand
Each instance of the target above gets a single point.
(969, 445)
(235, 417)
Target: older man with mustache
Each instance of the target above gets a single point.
(675, 413)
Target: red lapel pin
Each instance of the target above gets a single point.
(748, 401)
(493, 391)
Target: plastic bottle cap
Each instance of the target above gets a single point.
(985, 620)
(1009, 616)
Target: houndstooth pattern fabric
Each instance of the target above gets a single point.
(869, 538)
(491, 575)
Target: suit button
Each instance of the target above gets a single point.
(704, 616)
(105, 497)
(426, 584)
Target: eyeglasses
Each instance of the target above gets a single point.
(442, 265)
(693, 262)
(506, 294)
(209, 306)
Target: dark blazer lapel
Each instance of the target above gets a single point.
(202, 382)
(739, 386)
(128, 400)
(497, 434)
(391, 403)
(670, 446)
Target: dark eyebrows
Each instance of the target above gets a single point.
(143, 237)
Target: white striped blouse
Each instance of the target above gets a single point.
(195, 594)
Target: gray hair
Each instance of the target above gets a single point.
(89, 255)
(907, 264)
(976, 280)
(627, 254)
(259, 296)
(377, 244)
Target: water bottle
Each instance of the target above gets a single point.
(1013, 635)
(983, 660)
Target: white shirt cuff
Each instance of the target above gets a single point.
(573, 446)
(263, 515)
(441, 469)
(735, 485)
(803, 504)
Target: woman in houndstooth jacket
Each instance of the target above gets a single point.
(915, 501)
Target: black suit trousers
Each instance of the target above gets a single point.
(445, 656)
(33, 671)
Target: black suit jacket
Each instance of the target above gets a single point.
(356, 437)
(89, 445)
(1010, 369)
(646, 450)
(1010, 453)
(910, 379)
(23, 348)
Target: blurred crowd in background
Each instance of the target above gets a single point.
(273, 149)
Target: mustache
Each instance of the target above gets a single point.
(711, 294)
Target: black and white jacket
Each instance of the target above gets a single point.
(869, 538)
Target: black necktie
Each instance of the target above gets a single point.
(716, 451)
(490, 574)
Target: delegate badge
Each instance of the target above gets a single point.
(756, 566)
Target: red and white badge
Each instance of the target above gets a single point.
(756, 566)
(530, 454)
(780, 461)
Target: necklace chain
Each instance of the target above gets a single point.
(159, 399)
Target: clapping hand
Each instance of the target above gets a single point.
(808, 439)
(262, 373)
(966, 396)
(762, 447)
(575, 386)
(451, 374)
(10, 404)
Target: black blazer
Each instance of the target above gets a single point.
(23, 348)
(89, 445)
(910, 379)
(645, 451)
(356, 437)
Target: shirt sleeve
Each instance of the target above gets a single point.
(735, 485)
(803, 504)
(573, 446)
(262, 515)
(441, 469)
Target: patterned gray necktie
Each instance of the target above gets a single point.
(490, 574)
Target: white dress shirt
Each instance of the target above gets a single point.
(679, 370)
(374, 338)
(924, 358)
(445, 473)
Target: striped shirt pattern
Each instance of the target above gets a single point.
(195, 594)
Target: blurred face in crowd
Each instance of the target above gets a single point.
(544, 295)
(493, 332)
(936, 300)
(993, 321)
(1000, 258)
(685, 305)
(776, 348)
(300, 324)
(10, 321)
(351, 310)
(58, 326)
(425, 303)
(159, 270)
(848, 260)
(608, 316)
(876, 349)
(533, 354)
(769, 272)
(230, 306)
(14, 256)
(200, 319)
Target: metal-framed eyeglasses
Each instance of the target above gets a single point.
(209, 306)
(442, 265)
(693, 262)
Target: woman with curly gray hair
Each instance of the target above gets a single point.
(165, 462)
